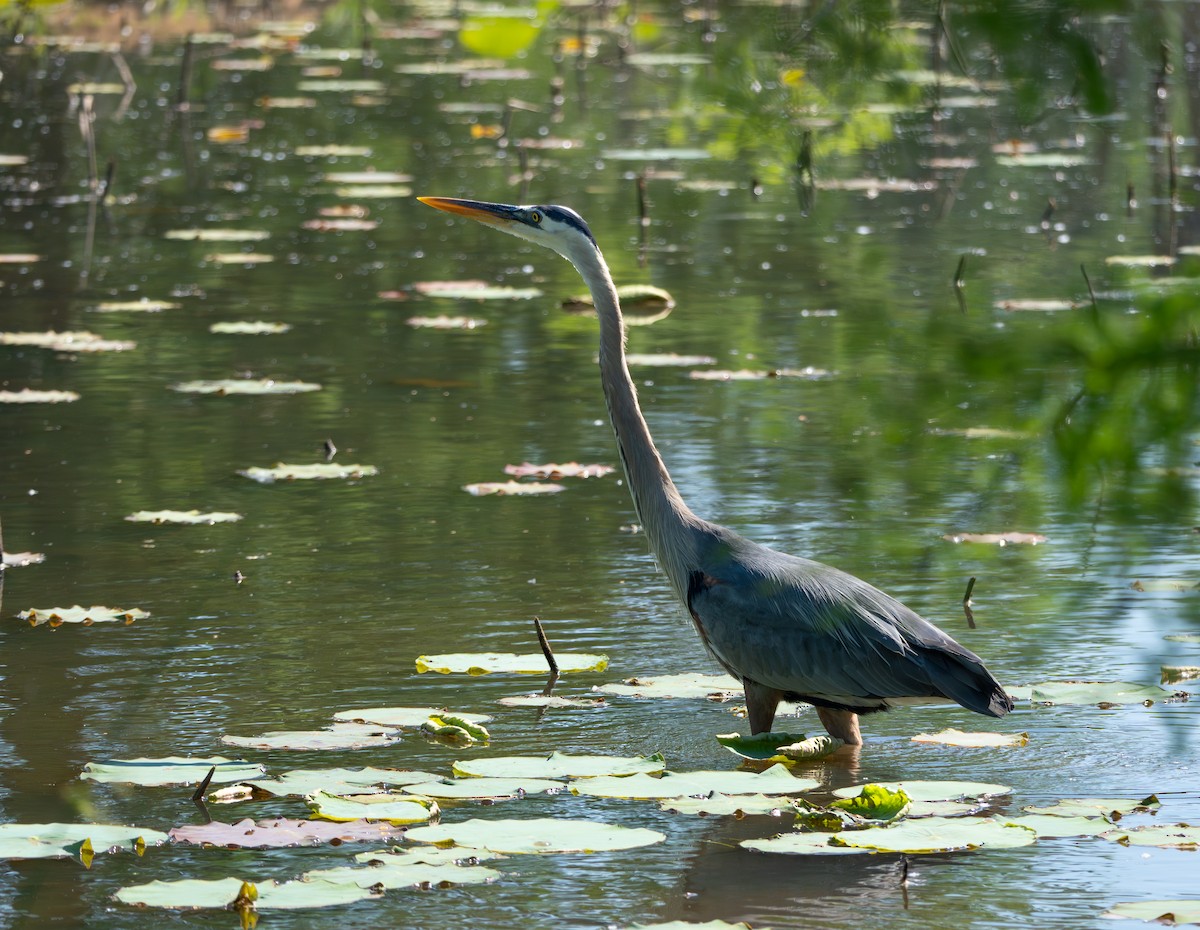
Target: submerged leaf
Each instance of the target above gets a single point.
(483, 663)
(953, 737)
(537, 835)
(56, 616)
(271, 834)
(558, 765)
(182, 516)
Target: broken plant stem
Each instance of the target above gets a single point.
(967, 603)
(549, 654)
(198, 794)
(1091, 291)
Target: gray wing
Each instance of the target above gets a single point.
(817, 632)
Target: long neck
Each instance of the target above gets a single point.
(660, 508)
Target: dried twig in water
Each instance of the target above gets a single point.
(959, 282)
(549, 654)
(198, 794)
(1091, 291)
(967, 603)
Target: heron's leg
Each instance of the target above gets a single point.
(841, 723)
(761, 702)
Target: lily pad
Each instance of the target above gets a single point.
(934, 790)
(272, 834)
(1172, 674)
(511, 488)
(938, 835)
(1043, 304)
(402, 716)
(192, 894)
(77, 341)
(239, 258)
(391, 872)
(876, 802)
(630, 296)
(953, 737)
(775, 780)
(688, 685)
(182, 516)
(1183, 637)
(1091, 692)
(803, 844)
(245, 386)
(1051, 826)
(455, 729)
(729, 805)
(445, 322)
(537, 835)
(1112, 808)
(249, 328)
(56, 616)
(393, 807)
(335, 736)
(1158, 585)
(558, 765)
(996, 539)
(787, 747)
(483, 663)
(30, 396)
(21, 559)
(1176, 912)
(809, 373)
(301, 782)
(171, 770)
(556, 472)
(474, 290)
(45, 840)
(668, 359)
(1177, 835)
(318, 472)
(145, 305)
(473, 789)
(549, 700)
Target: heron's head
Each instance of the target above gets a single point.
(555, 227)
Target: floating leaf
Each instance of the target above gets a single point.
(1091, 692)
(336, 736)
(729, 805)
(511, 488)
(271, 834)
(558, 765)
(631, 296)
(689, 925)
(537, 835)
(455, 729)
(1177, 835)
(21, 559)
(29, 396)
(938, 835)
(402, 716)
(445, 322)
(549, 700)
(982, 432)
(340, 224)
(171, 770)
(1052, 826)
(556, 472)
(1047, 305)
(333, 151)
(809, 373)
(249, 328)
(218, 235)
(687, 685)
(474, 290)
(56, 616)
(1164, 584)
(245, 386)
(1183, 637)
(474, 789)
(46, 840)
(301, 782)
(775, 780)
(373, 192)
(790, 747)
(70, 341)
(182, 516)
(953, 737)
(483, 663)
(1113, 808)
(652, 154)
(224, 893)
(876, 802)
(389, 872)
(318, 472)
(393, 807)
(1041, 160)
(1170, 912)
(239, 258)
(803, 844)
(145, 305)
(1141, 261)
(996, 539)
(366, 177)
(669, 359)
(934, 790)
(19, 258)
(1176, 673)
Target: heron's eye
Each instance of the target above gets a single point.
(535, 217)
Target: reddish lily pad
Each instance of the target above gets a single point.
(272, 834)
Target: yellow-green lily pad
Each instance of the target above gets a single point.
(224, 893)
(876, 802)
(144, 305)
(536, 835)
(474, 290)
(1051, 826)
(249, 328)
(218, 235)
(455, 729)
(58, 840)
(182, 516)
(512, 488)
(803, 844)
(729, 805)
(558, 765)
(1113, 808)
(780, 747)
(393, 807)
(391, 872)
(484, 663)
(70, 341)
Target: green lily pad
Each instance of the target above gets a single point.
(386, 874)
(1091, 692)
(366, 177)
(1052, 826)
(934, 790)
(803, 844)
(933, 835)
(473, 789)
(193, 894)
(538, 835)
(249, 328)
(630, 295)
(318, 472)
(558, 765)
(281, 832)
(1112, 808)
(335, 736)
(301, 782)
(56, 616)
(1041, 160)
(455, 729)
(729, 805)
(688, 685)
(171, 770)
(1171, 913)
(393, 807)
(182, 516)
(22, 559)
(996, 539)
(953, 737)
(30, 396)
(876, 802)
(775, 780)
(483, 663)
(779, 747)
(1177, 835)
(430, 855)
(228, 386)
(46, 840)
(944, 808)
(398, 717)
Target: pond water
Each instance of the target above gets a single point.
(812, 185)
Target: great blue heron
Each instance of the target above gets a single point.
(785, 627)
